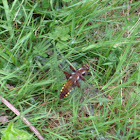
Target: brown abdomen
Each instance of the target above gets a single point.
(66, 88)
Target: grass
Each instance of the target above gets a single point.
(40, 39)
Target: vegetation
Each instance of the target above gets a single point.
(40, 39)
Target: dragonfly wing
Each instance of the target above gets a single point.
(72, 68)
(67, 74)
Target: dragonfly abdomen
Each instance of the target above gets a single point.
(66, 89)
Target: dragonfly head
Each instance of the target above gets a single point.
(86, 67)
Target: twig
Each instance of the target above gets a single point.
(128, 9)
(10, 106)
(121, 88)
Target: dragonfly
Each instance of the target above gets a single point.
(73, 79)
